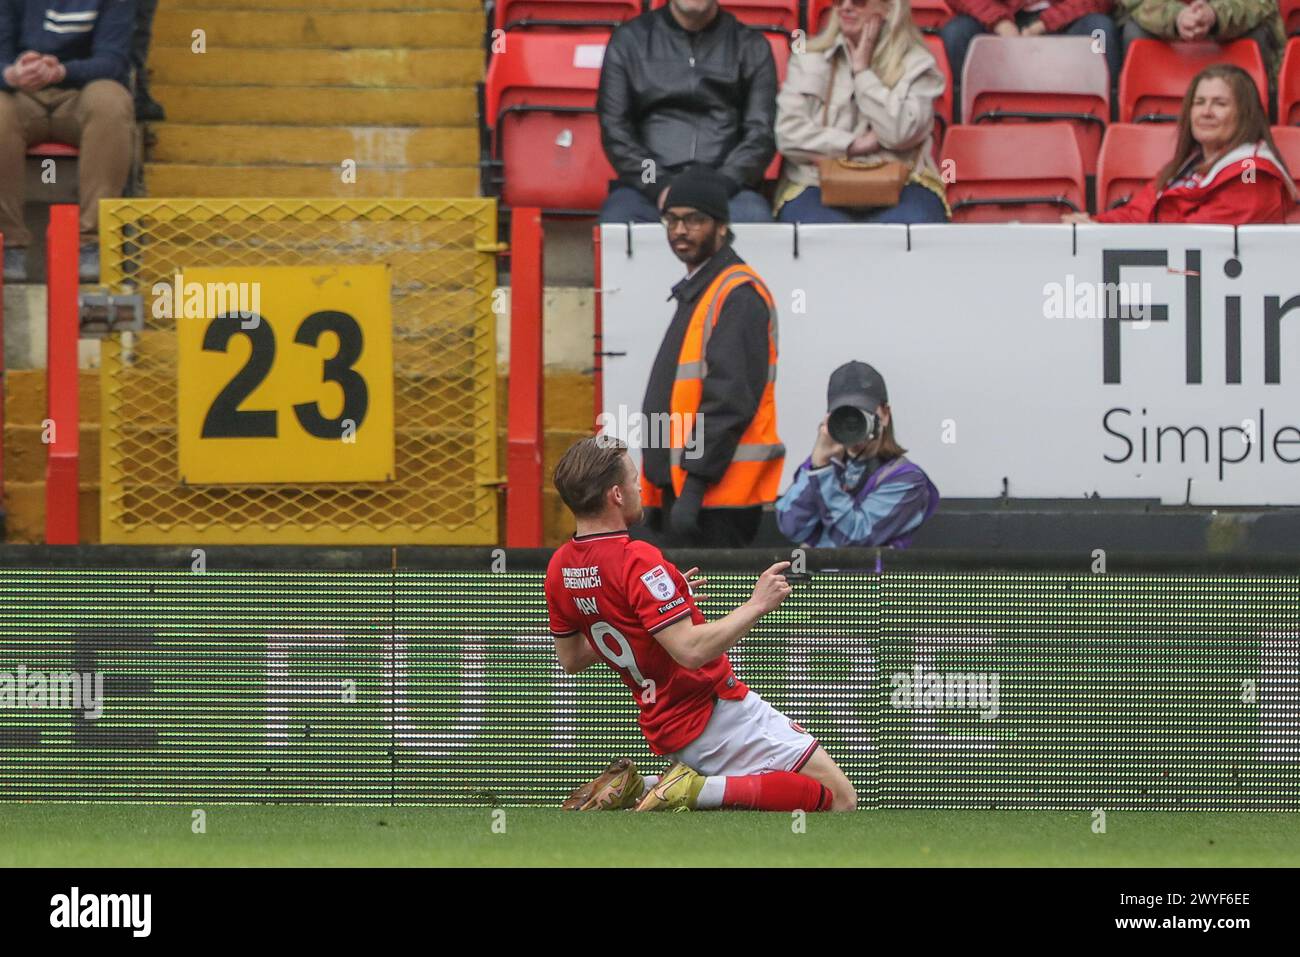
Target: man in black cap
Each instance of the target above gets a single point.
(712, 459)
(857, 487)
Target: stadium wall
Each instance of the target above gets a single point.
(425, 676)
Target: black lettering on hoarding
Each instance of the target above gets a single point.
(1112, 261)
(1192, 285)
(1274, 310)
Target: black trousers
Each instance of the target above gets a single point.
(717, 527)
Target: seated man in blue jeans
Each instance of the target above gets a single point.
(65, 69)
(683, 85)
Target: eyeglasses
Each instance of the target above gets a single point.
(691, 221)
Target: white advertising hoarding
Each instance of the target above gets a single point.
(1007, 356)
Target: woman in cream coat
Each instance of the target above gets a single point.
(883, 84)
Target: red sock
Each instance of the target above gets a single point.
(777, 791)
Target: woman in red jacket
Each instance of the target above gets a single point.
(1225, 168)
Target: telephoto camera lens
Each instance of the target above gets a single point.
(849, 425)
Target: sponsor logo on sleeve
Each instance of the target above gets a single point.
(679, 600)
(659, 583)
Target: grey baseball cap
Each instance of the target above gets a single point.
(856, 384)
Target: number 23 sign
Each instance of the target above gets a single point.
(285, 374)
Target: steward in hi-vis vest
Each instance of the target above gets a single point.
(711, 457)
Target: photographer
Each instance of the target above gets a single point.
(857, 488)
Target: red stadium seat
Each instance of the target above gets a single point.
(52, 150)
(564, 14)
(1131, 155)
(1290, 12)
(540, 105)
(767, 15)
(1288, 86)
(1156, 75)
(1016, 173)
(942, 106)
(1287, 139)
(780, 44)
(1033, 79)
(929, 15)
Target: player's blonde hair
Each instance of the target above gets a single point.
(589, 469)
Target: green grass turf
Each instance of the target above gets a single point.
(140, 835)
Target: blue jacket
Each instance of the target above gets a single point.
(856, 503)
(92, 38)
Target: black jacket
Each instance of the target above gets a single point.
(737, 364)
(678, 98)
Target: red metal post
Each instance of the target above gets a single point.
(524, 437)
(64, 415)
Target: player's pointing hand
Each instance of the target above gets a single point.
(772, 588)
(696, 582)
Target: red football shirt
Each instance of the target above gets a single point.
(617, 593)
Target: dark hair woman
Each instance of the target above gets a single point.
(1225, 168)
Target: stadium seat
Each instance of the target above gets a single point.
(1131, 155)
(540, 106)
(1288, 86)
(564, 14)
(55, 150)
(780, 16)
(929, 15)
(942, 106)
(1287, 139)
(1156, 75)
(1034, 79)
(780, 44)
(1026, 172)
(1290, 12)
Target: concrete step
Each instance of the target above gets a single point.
(285, 29)
(422, 68)
(317, 106)
(26, 456)
(187, 179)
(316, 145)
(25, 513)
(25, 402)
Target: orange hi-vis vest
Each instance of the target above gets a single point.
(754, 474)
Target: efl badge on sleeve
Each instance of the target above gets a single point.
(660, 584)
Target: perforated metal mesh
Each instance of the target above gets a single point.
(441, 255)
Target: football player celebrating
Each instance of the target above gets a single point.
(620, 601)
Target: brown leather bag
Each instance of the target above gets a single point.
(858, 182)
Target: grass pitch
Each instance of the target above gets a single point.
(85, 835)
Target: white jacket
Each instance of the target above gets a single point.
(902, 116)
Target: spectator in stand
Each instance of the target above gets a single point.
(857, 488)
(66, 80)
(1225, 168)
(1030, 18)
(146, 107)
(882, 83)
(1217, 21)
(683, 85)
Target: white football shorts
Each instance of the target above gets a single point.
(748, 736)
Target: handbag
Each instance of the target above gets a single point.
(858, 182)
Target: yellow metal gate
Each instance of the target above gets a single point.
(441, 257)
